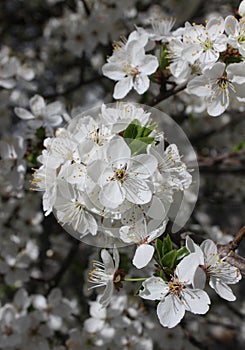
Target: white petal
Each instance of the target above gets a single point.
(112, 195)
(199, 280)
(53, 108)
(23, 113)
(107, 261)
(116, 258)
(149, 64)
(96, 169)
(198, 86)
(154, 289)
(54, 120)
(107, 294)
(97, 311)
(122, 87)
(93, 325)
(118, 152)
(170, 311)
(157, 210)
(141, 83)
(137, 191)
(113, 71)
(194, 248)
(215, 27)
(215, 106)
(37, 104)
(209, 249)
(231, 25)
(186, 269)
(144, 165)
(222, 289)
(143, 255)
(196, 300)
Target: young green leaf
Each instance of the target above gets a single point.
(169, 259)
(159, 248)
(132, 130)
(167, 245)
(182, 252)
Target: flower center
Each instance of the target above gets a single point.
(207, 44)
(120, 175)
(131, 70)
(241, 38)
(175, 287)
(223, 83)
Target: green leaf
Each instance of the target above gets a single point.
(159, 248)
(147, 129)
(182, 252)
(139, 144)
(132, 130)
(169, 259)
(167, 245)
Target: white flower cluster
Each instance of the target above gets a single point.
(30, 321)
(112, 173)
(209, 59)
(178, 288)
(122, 325)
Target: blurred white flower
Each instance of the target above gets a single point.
(41, 114)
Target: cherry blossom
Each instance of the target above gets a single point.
(103, 274)
(176, 296)
(130, 67)
(219, 272)
(218, 84)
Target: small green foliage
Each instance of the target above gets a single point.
(169, 260)
(182, 252)
(132, 130)
(168, 257)
(159, 245)
(137, 136)
(167, 245)
(239, 146)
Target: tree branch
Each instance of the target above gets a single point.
(227, 250)
(166, 94)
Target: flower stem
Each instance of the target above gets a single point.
(134, 279)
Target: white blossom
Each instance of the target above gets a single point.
(219, 272)
(176, 296)
(236, 33)
(218, 84)
(130, 67)
(41, 114)
(103, 274)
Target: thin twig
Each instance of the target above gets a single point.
(166, 94)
